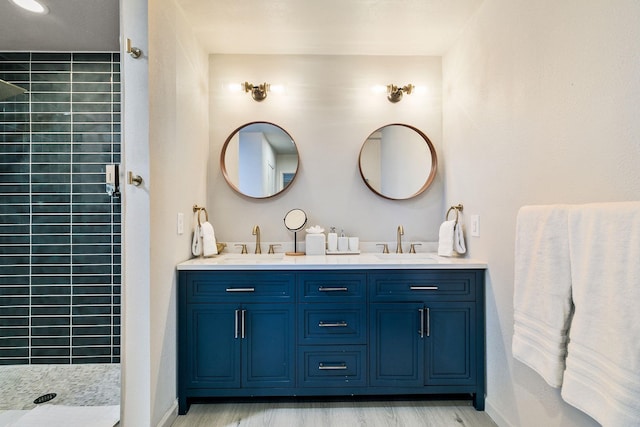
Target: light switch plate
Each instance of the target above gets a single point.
(475, 225)
(180, 222)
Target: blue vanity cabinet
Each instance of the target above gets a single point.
(236, 334)
(397, 352)
(342, 332)
(214, 347)
(427, 330)
(332, 331)
(417, 344)
(450, 344)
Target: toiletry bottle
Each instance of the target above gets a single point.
(343, 242)
(332, 240)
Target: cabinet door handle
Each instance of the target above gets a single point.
(333, 367)
(428, 322)
(242, 321)
(240, 289)
(424, 288)
(341, 324)
(330, 289)
(236, 327)
(421, 331)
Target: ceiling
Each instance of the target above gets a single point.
(320, 27)
(329, 27)
(70, 25)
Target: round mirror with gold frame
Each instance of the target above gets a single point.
(259, 160)
(398, 161)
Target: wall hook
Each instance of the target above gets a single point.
(133, 51)
(134, 179)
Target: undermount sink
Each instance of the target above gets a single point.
(415, 257)
(251, 258)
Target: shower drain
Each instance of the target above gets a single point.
(44, 398)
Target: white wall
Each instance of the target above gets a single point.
(136, 305)
(329, 110)
(541, 104)
(179, 126)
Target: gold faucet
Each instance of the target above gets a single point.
(256, 232)
(400, 233)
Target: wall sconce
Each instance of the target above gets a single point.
(394, 93)
(259, 92)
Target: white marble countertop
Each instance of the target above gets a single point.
(280, 261)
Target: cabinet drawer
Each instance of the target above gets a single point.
(340, 324)
(329, 286)
(243, 286)
(412, 285)
(332, 367)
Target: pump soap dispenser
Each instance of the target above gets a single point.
(343, 242)
(332, 240)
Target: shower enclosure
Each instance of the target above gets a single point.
(60, 232)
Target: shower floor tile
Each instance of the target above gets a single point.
(74, 385)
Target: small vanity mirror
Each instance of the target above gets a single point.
(398, 162)
(294, 220)
(259, 160)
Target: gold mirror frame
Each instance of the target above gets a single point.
(433, 163)
(236, 185)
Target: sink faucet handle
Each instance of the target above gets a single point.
(385, 247)
(271, 248)
(244, 248)
(412, 249)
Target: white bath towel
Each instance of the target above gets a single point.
(196, 242)
(542, 290)
(602, 376)
(458, 239)
(446, 238)
(209, 246)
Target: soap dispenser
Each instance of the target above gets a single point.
(332, 240)
(343, 242)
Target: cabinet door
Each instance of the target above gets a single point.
(214, 355)
(269, 345)
(450, 344)
(397, 350)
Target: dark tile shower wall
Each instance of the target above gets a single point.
(59, 230)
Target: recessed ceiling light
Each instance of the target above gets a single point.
(32, 6)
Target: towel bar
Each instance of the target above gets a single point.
(458, 208)
(199, 209)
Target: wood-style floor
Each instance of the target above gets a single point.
(448, 413)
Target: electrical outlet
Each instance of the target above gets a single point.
(180, 225)
(475, 225)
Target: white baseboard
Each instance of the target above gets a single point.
(169, 416)
(495, 414)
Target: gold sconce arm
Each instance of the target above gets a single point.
(395, 93)
(258, 92)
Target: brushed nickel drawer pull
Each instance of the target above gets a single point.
(236, 327)
(324, 367)
(329, 289)
(243, 319)
(428, 322)
(424, 288)
(241, 289)
(341, 324)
